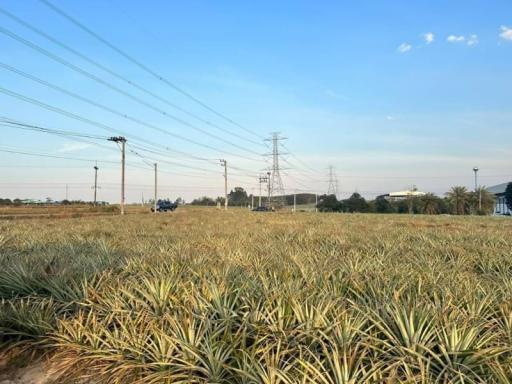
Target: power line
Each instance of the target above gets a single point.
(114, 88)
(70, 134)
(29, 127)
(55, 156)
(81, 118)
(120, 77)
(144, 67)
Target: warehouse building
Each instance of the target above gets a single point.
(500, 205)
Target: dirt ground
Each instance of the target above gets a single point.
(32, 374)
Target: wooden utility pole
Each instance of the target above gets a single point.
(294, 201)
(122, 140)
(316, 202)
(225, 164)
(156, 187)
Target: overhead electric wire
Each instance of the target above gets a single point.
(47, 155)
(144, 67)
(29, 127)
(56, 156)
(171, 162)
(84, 119)
(298, 170)
(71, 138)
(91, 76)
(71, 135)
(304, 165)
(120, 77)
(156, 160)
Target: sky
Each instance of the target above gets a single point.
(392, 94)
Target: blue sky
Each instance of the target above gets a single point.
(391, 93)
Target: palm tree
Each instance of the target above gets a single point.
(430, 204)
(458, 198)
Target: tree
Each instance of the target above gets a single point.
(430, 204)
(484, 198)
(205, 200)
(355, 203)
(508, 196)
(459, 200)
(220, 201)
(238, 197)
(180, 201)
(382, 205)
(328, 203)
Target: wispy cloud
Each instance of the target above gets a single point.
(506, 33)
(428, 37)
(73, 147)
(334, 95)
(456, 39)
(461, 39)
(472, 40)
(404, 47)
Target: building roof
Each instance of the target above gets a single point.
(406, 193)
(498, 189)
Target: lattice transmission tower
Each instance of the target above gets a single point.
(333, 182)
(277, 193)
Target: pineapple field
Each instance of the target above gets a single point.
(207, 296)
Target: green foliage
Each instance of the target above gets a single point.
(508, 196)
(328, 203)
(382, 205)
(204, 201)
(355, 203)
(238, 197)
(481, 197)
(458, 198)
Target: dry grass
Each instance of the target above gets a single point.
(206, 296)
(17, 212)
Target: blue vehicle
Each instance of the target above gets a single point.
(164, 206)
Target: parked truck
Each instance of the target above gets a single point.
(164, 206)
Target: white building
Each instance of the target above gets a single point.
(500, 205)
(403, 195)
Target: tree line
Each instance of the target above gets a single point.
(458, 201)
(238, 197)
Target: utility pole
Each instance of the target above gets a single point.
(122, 140)
(156, 185)
(225, 164)
(316, 202)
(294, 201)
(476, 169)
(95, 182)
